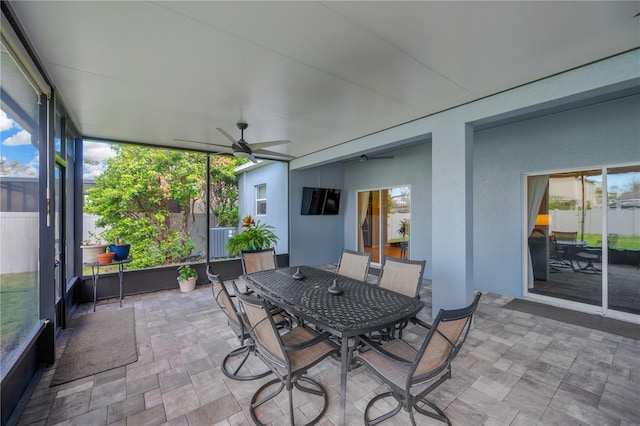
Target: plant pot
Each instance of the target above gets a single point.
(105, 258)
(188, 285)
(90, 252)
(121, 251)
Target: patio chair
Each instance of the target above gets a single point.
(412, 374)
(289, 356)
(238, 325)
(354, 264)
(560, 255)
(258, 260)
(402, 276)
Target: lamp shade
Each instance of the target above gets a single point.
(543, 220)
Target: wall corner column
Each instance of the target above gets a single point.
(452, 221)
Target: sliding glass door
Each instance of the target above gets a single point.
(584, 237)
(383, 222)
(623, 239)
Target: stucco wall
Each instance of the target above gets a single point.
(276, 176)
(408, 167)
(317, 240)
(602, 134)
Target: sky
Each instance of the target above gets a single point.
(19, 158)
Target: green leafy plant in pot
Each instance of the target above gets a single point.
(255, 236)
(187, 277)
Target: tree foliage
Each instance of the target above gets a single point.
(224, 190)
(149, 197)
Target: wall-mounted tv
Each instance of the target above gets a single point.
(320, 201)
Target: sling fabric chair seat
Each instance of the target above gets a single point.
(412, 374)
(237, 322)
(289, 356)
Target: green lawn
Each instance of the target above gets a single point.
(19, 301)
(624, 242)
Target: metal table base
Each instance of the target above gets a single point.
(95, 273)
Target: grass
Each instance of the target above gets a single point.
(624, 242)
(19, 307)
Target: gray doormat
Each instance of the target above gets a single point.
(100, 341)
(596, 322)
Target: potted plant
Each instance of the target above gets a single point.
(255, 236)
(106, 257)
(91, 248)
(404, 228)
(120, 249)
(187, 277)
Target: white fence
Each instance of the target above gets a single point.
(619, 221)
(19, 251)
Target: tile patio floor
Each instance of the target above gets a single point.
(515, 369)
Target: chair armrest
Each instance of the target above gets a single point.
(420, 323)
(308, 343)
(374, 346)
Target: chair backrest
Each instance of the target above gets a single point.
(258, 260)
(223, 299)
(402, 276)
(263, 329)
(444, 341)
(354, 264)
(564, 235)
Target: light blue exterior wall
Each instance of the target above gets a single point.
(409, 167)
(604, 134)
(466, 169)
(317, 240)
(276, 176)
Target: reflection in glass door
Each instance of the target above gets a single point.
(583, 249)
(623, 239)
(383, 222)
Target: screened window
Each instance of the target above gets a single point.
(261, 199)
(19, 210)
(155, 199)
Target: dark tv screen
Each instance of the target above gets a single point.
(320, 201)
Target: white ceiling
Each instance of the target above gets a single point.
(317, 73)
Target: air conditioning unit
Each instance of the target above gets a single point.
(218, 237)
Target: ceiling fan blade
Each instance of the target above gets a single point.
(273, 153)
(260, 145)
(224, 132)
(203, 143)
(252, 158)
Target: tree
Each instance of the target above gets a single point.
(224, 190)
(148, 197)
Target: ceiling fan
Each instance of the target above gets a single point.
(242, 149)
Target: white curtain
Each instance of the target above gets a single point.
(536, 188)
(363, 204)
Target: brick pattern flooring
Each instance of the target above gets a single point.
(515, 369)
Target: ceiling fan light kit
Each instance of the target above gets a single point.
(364, 158)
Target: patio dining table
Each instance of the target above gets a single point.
(359, 309)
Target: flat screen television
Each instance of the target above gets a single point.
(320, 201)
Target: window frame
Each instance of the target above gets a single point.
(259, 200)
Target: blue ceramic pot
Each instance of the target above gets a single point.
(121, 252)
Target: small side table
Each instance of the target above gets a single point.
(95, 272)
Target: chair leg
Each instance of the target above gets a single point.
(396, 410)
(438, 415)
(233, 373)
(315, 388)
